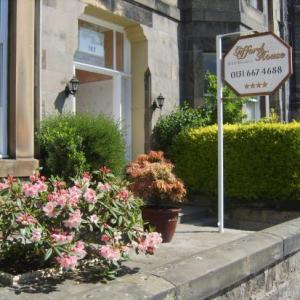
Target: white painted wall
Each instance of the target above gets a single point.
(95, 98)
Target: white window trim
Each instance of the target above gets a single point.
(256, 107)
(3, 84)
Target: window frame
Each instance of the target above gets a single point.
(126, 45)
(259, 5)
(121, 104)
(3, 79)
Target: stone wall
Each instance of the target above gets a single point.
(261, 266)
(279, 282)
(294, 19)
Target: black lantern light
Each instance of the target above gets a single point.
(158, 102)
(72, 87)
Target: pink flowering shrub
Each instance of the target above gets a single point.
(47, 222)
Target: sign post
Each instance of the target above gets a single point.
(256, 65)
(220, 136)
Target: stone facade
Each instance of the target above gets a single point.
(151, 28)
(294, 26)
(202, 21)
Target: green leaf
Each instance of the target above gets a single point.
(48, 254)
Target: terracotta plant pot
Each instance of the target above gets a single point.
(164, 219)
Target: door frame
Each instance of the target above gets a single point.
(121, 103)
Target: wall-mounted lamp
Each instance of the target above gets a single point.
(72, 87)
(158, 102)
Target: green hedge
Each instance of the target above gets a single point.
(169, 126)
(71, 144)
(261, 161)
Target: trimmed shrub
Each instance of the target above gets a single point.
(261, 161)
(71, 144)
(168, 127)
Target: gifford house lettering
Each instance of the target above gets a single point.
(260, 52)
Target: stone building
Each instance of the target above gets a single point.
(294, 29)
(124, 54)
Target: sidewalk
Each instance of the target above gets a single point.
(144, 280)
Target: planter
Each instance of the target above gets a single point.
(164, 219)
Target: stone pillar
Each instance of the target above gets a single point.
(139, 54)
(21, 160)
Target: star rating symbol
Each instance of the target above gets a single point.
(255, 85)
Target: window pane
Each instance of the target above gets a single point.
(258, 4)
(120, 51)
(95, 45)
(209, 63)
(95, 93)
(109, 46)
(209, 66)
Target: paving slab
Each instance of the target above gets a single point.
(142, 282)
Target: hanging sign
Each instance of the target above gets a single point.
(257, 64)
(91, 41)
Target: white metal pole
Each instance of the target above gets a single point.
(220, 126)
(267, 106)
(220, 136)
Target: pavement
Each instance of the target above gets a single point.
(142, 280)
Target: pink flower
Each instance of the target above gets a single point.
(36, 235)
(105, 238)
(123, 195)
(78, 250)
(86, 176)
(149, 242)
(59, 184)
(4, 185)
(103, 187)
(59, 197)
(104, 170)
(74, 219)
(74, 195)
(30, 190)
(41, 186)
(37, 177)
(94, 219)
(67, 261)
(49, 209)
(110, 253)
(26, 219)
(62, 237)
(90, 196)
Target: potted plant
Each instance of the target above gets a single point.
(151, 177)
